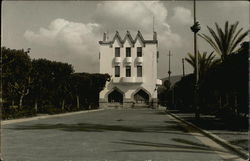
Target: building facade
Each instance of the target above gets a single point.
(132, 64)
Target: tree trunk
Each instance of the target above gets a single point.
(77, 101)
(13, 102)
(36, 105)
(236, 106)
(63, 102)
(21, 101)
(227, 99)
(220, 102)
(23, 93)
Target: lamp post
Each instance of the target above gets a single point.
(169, 66)
(1, 91)
(183, 67)
(195, 28)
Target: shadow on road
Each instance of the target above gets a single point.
(91, 127)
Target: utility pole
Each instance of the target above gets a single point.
(1, 92)
(195, 28)
(169, 75)
(169, 66)
(153, 24)
(183, 67)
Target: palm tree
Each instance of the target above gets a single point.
(205, 62)
(225, 42)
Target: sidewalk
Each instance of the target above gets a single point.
(217, 128)
(44, 116)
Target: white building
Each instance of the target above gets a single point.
(132, 64)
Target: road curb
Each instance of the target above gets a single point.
(6, 122)
(237, 150)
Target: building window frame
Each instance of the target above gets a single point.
(117, 71)
(139, 51)
(139, 71)
(128, 71)
(128, 52)
(117, 52)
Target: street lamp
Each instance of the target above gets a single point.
(195, 28)
(1, 98)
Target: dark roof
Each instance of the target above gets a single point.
(129, 37)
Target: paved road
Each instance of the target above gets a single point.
(142, 134)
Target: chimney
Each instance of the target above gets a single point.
(155, 36)
(104, 37)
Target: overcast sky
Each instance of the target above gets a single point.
(69, 31)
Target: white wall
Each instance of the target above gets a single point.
(149, 67)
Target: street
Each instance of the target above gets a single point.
(114, 134)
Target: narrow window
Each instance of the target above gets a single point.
(128, 52)
(117, 52)
(117, 71)
(139, 51)
(128, 71)
(139, 71)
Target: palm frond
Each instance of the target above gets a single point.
(216, 38)
(239, 39)
(221, 37)
(211, 42)
(191, 60)
(224, 42)
(230, 37)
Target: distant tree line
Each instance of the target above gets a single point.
(223, 81)
(44, 86)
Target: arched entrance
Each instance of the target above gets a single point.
(141, 97)
(115, 96)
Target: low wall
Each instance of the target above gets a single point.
(127, 103)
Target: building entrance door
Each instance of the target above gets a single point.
(141, 97)
(115, 96)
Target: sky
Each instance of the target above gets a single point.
(69, 31)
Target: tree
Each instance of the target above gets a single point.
(41, 80)
(16, 73)
(98, 82)
(87, 86)
(47, 84)
(229, 81)
(205, 62)
(50, 81)
(184, 92)
(225, 42)
(61, 74)
(79, 84)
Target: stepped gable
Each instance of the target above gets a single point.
(118, 37)
(129, 37)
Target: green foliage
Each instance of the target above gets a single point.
(225, 42)
(15, 112)
(223, 86)
(228, 82)
(87, 86)
(204, 62)
(223, 89)
(16, 74)
(167, 84)
(45, 86)
(50, 81)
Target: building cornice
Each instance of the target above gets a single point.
(129, 37)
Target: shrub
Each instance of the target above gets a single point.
(12, 112)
